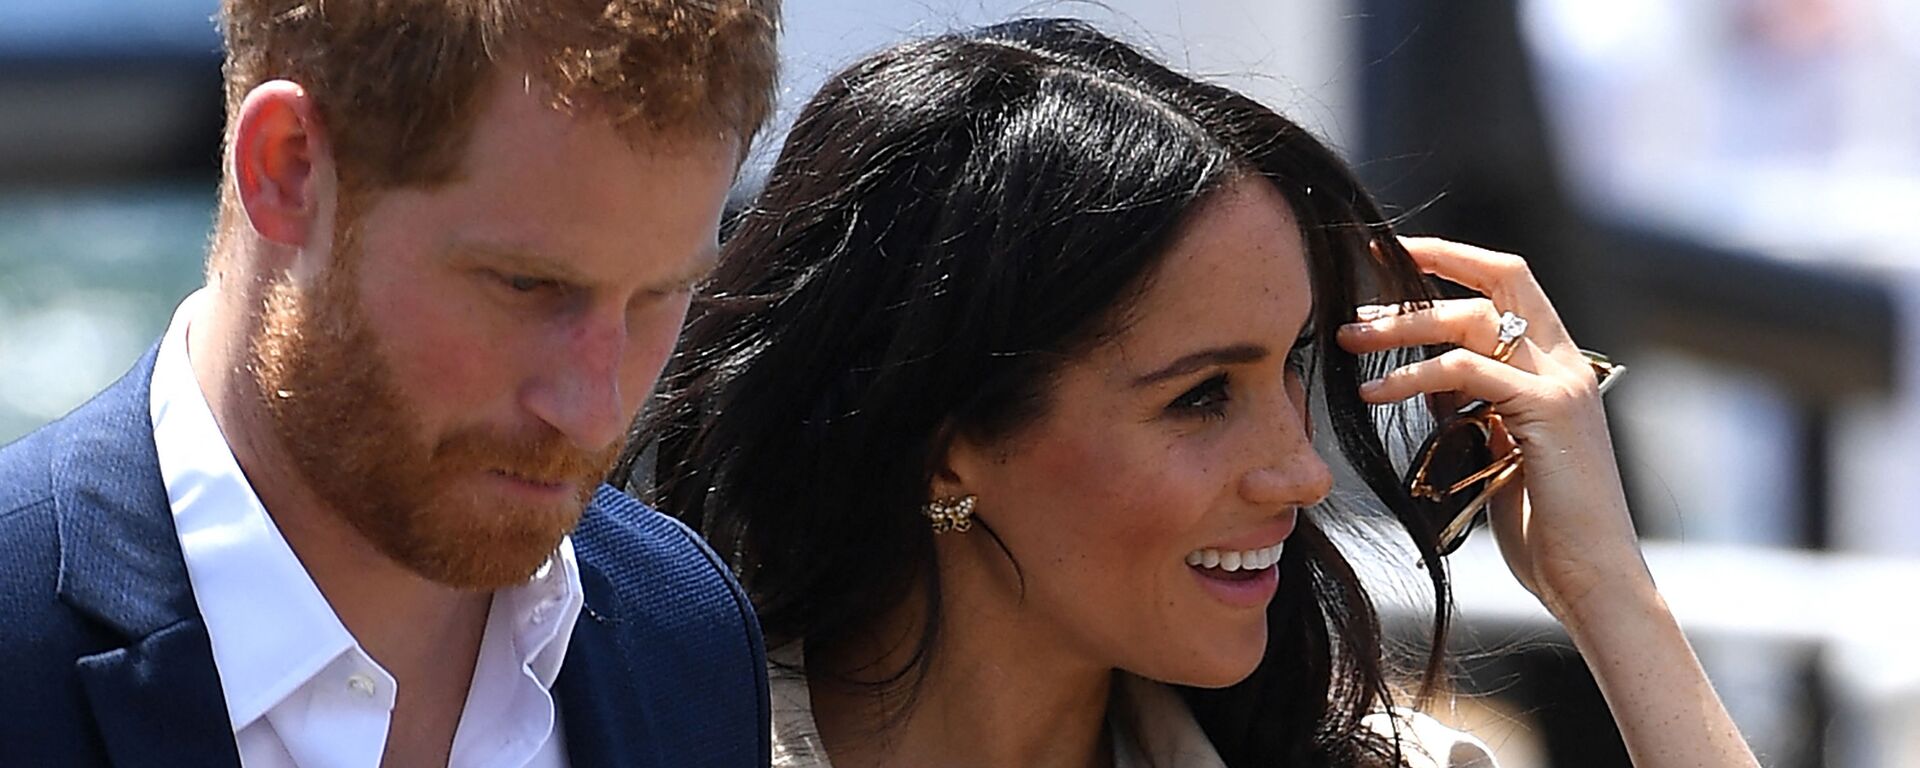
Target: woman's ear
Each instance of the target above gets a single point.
(956, 465)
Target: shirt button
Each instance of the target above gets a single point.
(361, 685)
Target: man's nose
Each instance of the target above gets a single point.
(580, 392)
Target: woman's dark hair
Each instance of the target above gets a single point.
(950, 221)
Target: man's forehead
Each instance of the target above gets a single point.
(518, 94)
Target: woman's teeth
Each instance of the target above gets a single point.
(1236, 560)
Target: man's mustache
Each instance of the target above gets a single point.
(537, 455)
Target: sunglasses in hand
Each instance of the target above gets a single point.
(1456, 474)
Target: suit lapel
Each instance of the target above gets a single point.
(157, 699)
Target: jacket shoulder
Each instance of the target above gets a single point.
(27, 464)
(29, 543)
(684, 632)
(102, 447)
(42, 636)
(26, 468)
(660, 569)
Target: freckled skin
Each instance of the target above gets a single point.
(1102, 499)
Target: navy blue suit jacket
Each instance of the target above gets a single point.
(105, 659)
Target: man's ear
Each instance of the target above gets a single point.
(282, 164)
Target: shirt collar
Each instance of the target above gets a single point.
(542, 613)
(1153, 726)
(270, 627)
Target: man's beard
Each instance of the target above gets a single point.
(341, 418)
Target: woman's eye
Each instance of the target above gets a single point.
(1207, 399)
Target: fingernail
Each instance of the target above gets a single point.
(1372, 311)
(1358, 329)
(1370, 387)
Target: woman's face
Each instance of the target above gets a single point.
(1146, 508)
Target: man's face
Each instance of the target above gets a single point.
(458, 376)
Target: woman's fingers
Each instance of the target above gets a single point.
(1469, 323)
(1461, 370)
(1543, 364)
(1502, 277)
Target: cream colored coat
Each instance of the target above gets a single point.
(1166, 735)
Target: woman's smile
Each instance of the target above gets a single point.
(1242, 571)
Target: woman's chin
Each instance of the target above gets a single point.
(1213, 680)
(1219, 666)
(1217, 684)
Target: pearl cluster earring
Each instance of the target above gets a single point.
(954, 513)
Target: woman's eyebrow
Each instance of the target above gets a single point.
(1233, 354)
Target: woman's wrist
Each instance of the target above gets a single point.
(1625, 602)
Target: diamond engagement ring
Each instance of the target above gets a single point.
(1512, 328)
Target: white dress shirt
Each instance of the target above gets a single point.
(300, 691)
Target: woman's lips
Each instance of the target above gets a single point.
(1243, 571)
(1243, 588)
(1249, 550)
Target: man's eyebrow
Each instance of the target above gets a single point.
(701, 269)
(1233, 354)
(516, 259)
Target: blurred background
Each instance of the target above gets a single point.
(1716, 192)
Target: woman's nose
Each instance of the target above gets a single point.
(1286, 470)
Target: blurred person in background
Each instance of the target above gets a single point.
(1784, 136)
(348, 510)
(999, 405)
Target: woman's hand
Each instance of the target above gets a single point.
(1563, 525)
(1567, 536)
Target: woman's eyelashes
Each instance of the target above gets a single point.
(1208, 399)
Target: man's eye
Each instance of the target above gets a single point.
(1208, 399)
(525, 284)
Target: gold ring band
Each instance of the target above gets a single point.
(1503, 350)
(1512, 328)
